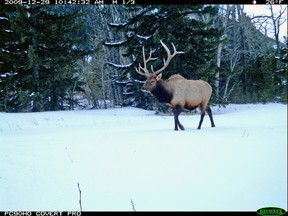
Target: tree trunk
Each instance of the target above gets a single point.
(219, 49)
(35, 66)
(242, 45)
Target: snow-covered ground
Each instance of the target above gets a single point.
(124, 154)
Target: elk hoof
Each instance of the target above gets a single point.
(181, 127)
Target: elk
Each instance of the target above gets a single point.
(179, 93)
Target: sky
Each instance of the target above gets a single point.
(257, 10)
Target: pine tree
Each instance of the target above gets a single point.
(189, 27)
(280, 78)
(12, 61)
(46, 54)
(98, 77)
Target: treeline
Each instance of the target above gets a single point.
(57, 57)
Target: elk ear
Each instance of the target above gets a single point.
(159, 77)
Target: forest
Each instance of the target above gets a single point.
(66, 57)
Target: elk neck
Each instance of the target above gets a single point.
(162, 92)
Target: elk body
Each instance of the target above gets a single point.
(179, 93)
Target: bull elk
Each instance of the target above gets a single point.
(179, 93)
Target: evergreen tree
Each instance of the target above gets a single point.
(12, 61)
(45, 55)
(189, 27)
(280, 78)
(101, 90)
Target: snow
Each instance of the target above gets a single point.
(7, 74)
(115, 43)
(143, 37)
(118, 24)
(125, 155)
(4, 50)
(119, 65)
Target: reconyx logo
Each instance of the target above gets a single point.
(271, 211)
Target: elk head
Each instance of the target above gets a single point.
(154, 77)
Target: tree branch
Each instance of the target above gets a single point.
(133, 205)
(80, 202)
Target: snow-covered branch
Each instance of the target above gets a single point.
(114, 43)
(143, 36)
(8, 74)
(118, 24)
(120, 66)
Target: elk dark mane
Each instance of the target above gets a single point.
(161, 93)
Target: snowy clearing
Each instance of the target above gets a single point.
(127, 153)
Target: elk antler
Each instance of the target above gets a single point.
(166, 62)
(169, 57)
(144, 68)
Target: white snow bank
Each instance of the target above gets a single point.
(128, 153)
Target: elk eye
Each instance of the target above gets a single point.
(152, 82)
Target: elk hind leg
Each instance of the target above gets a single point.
(201, 117)
(208, 110)
(177, 112)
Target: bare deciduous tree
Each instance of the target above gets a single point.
(225, 11)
